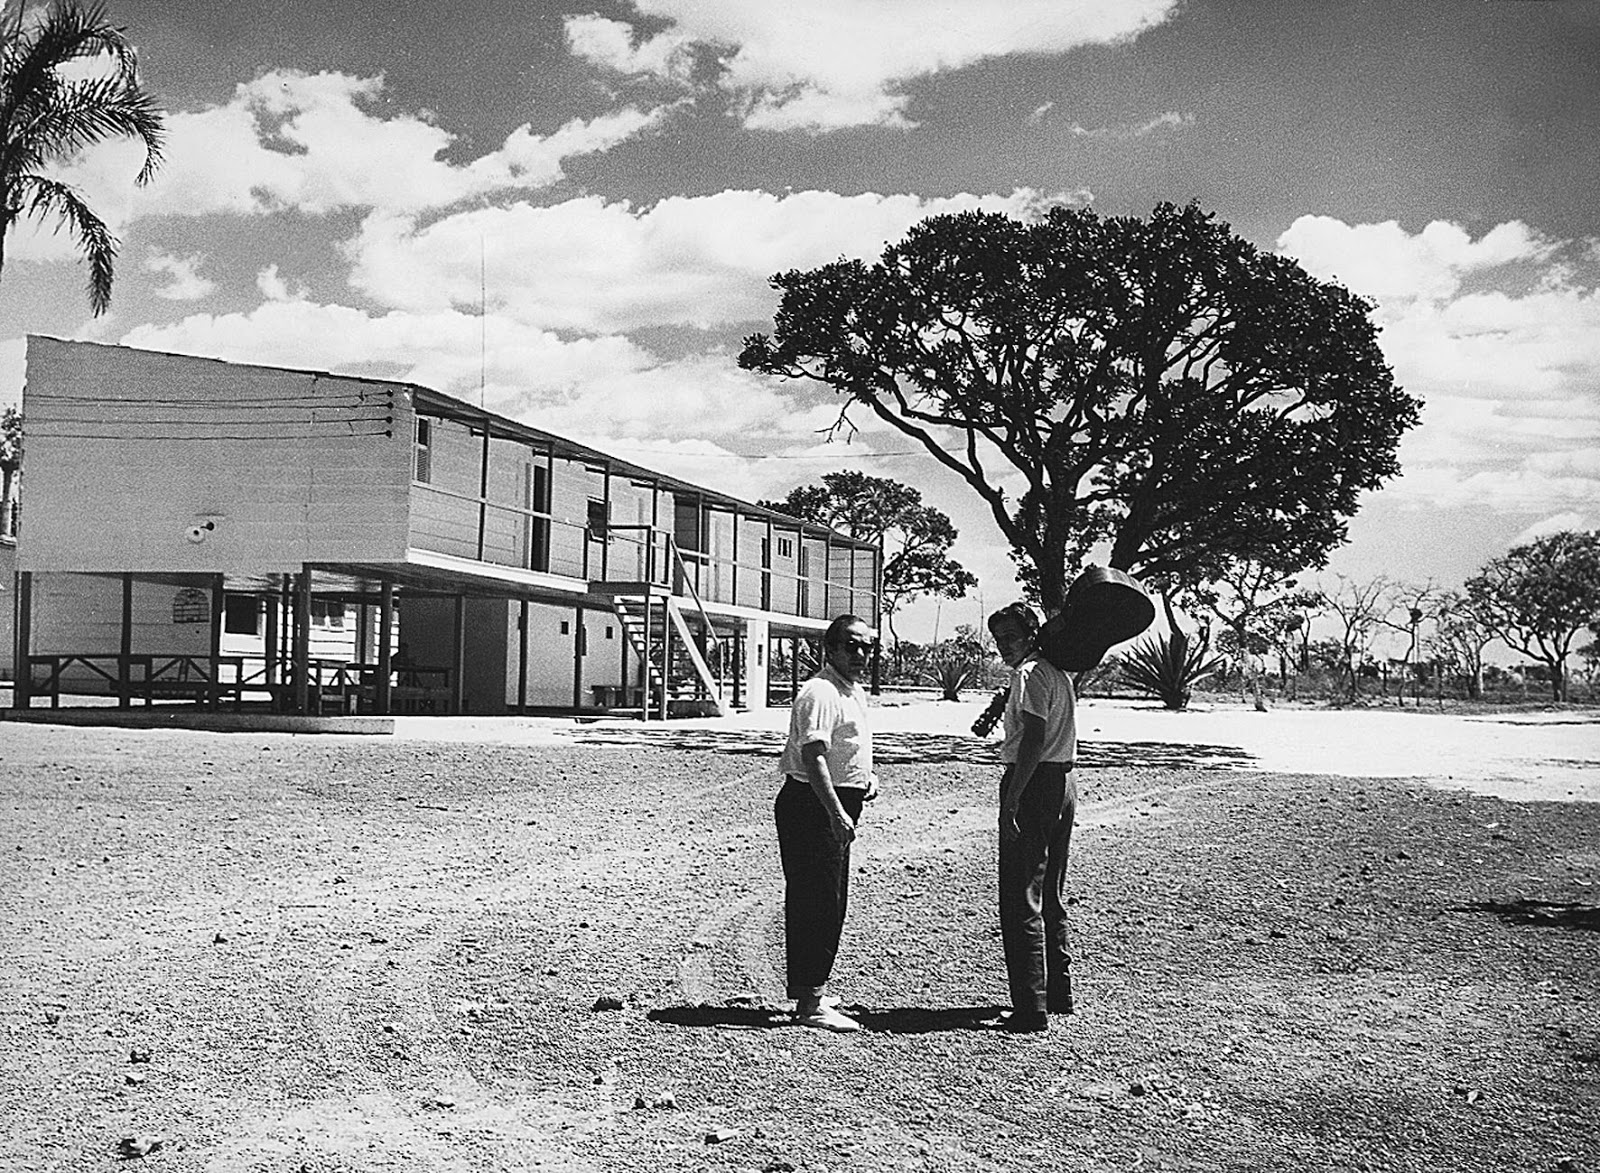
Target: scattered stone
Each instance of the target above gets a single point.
(719, 1135)
(438, 1102)
(659, 1100)
(608, 1002)
(134, 1078)
(52, 1017)
(139, 1055)
(139, 1146)
(220, 939)
(1278, 933)
(778, 1167)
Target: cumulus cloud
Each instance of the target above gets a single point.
(597, 266)
(1510, 380)
(317, 143)
(824, 64)
(183, 279)
(1555, 524)
(1385, 262)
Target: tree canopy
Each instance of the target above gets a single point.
(1163, 388)
(48, 115)
(1537, 598)
(915, 538)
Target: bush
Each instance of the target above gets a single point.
(1168, 668)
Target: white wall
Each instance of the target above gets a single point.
(128, 449)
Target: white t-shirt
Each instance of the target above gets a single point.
(832, 710)
(1040, 688)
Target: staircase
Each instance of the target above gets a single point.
(678, 680)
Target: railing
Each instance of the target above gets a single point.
(144, 676)
(466, 526)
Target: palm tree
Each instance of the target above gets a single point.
(47, 117)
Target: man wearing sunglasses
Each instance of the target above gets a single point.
(828, 775)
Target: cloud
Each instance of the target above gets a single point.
(1555, 524)
(184, 282)
(820, 65)
(1510, 379)
(315, 143)
(598, 266)
(1387, 263)
(1171, 120)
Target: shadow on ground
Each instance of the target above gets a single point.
(1543, 913)
(929, 748)
(909, 1020)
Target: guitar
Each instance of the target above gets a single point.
(1104, 607)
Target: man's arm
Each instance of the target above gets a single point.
(1029, 747)
(812, 753)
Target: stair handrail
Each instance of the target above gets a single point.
(694, 595)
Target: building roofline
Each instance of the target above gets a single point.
(463, 410)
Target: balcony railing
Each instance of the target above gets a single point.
(445, 522)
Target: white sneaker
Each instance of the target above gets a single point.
(826, 1017)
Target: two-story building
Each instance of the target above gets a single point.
(228, 533)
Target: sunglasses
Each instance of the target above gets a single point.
(857, 645)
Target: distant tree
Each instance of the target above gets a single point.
(48, 114)
(10, 463)
(1258, 607)
(1358, 608)
(1411, 606)
(915, 538)
(1162, 387)
(1460, 637)
(1537, 598)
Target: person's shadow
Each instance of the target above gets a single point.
(904, 1020)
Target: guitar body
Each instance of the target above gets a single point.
(1104, 608)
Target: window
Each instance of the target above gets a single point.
(566, 628)
(190, 605)
(785, 547)
(327, 613)
(608, 631)
(241, 615)
(424, 450)
(597, 518)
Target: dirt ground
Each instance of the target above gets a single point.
(301, 954)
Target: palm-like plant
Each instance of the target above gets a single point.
(48, 116)
(1168, 668)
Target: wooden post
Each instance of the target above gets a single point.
(125, 646)
(483, 490)
(302, 641)
(214, 693)
(458, 686)
(522, 662)
(644, 706)
(383, 701)
(579, 635)
(22, 641)
(269, 643)
(666, 653)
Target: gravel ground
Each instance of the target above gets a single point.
(313, 954)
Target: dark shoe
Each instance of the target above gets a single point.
(1024, 1022)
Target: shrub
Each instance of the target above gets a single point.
(1168, 668)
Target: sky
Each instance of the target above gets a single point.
(570, 211)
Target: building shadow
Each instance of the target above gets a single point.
(1551, 914)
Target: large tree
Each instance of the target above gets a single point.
(1163, 388)
(50, 111)
(1539, 597)
(914, 538)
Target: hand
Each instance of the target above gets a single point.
(844, 831)
(1009, 831)
(872, 789)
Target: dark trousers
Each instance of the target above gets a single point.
(816, 875)
(1033, 905)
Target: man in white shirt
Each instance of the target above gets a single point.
(828, 775)
(1038, 800)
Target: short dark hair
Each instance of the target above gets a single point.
(834, 636)
(1018, 615)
